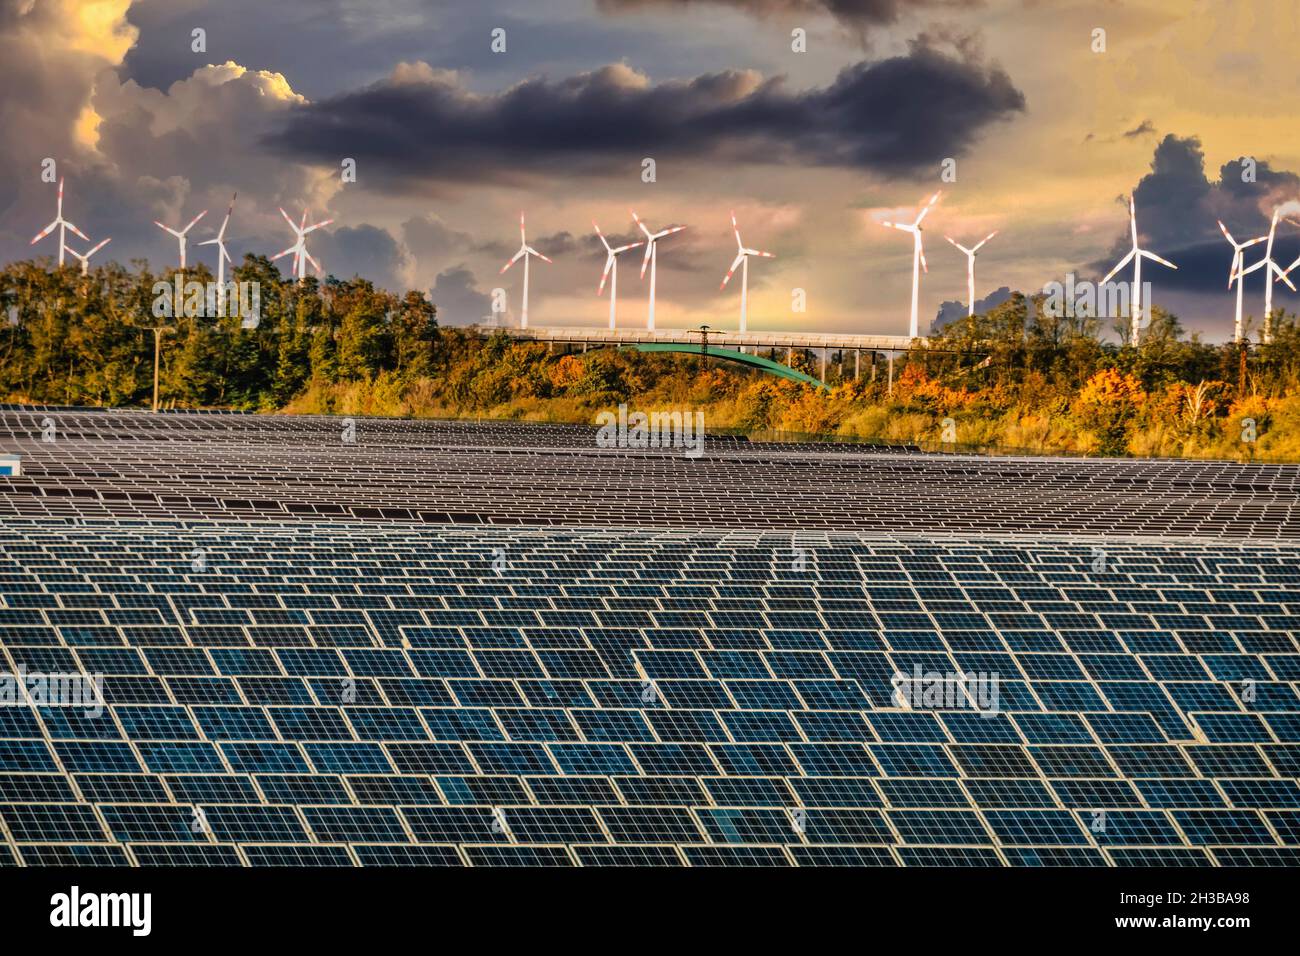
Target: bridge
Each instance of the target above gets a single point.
(823, 342)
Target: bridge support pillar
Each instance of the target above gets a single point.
(891, 374)
(584, 347)
(823, 374)
(789, 356)
(857, 364)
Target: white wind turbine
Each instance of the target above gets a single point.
(1236, 273)
(84, 257)
(222, 255)
(1136, 254)
(652, 259)
(180, 236)
(611, 269)
(918, 257)
(1273, 273)
(970, 268)
(525, 252)
(63, 225)
(742, 260)
(299, 249)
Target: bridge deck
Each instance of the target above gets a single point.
(757, 339)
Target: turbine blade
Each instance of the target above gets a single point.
(194, 220)
(637, 220)
(90, 252)
(1281, 276)
(670, 231)
(539, 255)
(1119, 265)
(645, 262)
(984, 240)
(630, 245)
(208, 242)
(1133, 219)
(609, 264)
(522, 238)
(44, 232)
(319, 225)
(314, 263)
(760, 252)
(285, 253)
(926, 210)
(288, 220)
(75, 230)
(921, 253)
(1155, 258)
(732, 271)
(1226, 235)
(225, 255)
(167, 229)
(603, 241)
(736, 229)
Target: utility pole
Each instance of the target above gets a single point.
(157, 331)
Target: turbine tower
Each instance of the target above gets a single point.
(525, 252)
(1136, 255)
(742, 260)
(918, 257)
(611, 269)
(1272, 273)
(84, 257)
(970, 268)
(652, 259)
(299, 249)
(1236, 274)
(63, 225)
(222, 255)
(180, 236)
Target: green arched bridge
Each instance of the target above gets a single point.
(767, 365)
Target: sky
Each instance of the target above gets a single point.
(1047, 124)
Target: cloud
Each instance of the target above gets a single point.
(364, 250)
(1178, 206)
(458, 298)
(1142, 129)
(422, 126)
(952, 311)
(855, 14)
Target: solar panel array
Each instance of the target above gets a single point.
(323, 690)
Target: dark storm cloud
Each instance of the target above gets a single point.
(364, 250)
(896, 117)
(858, 14)
(1178, 206)
(458, 298)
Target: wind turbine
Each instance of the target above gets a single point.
(222, 255)
(918, 256)
(180, 236)
(1273, 273)
(651, 259)
(970, 268)
(63, 225)
(611, 269)
(525, 251)
(299, 249)
(1236, 274)
(1136, 255)
(85, 256)
(742, 260)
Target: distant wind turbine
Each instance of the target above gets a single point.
(611, 269)
(918, 258)
(742, 260)
(84, 257)
(180, 236)
(63, 225)
(970, 268)
(222, 255)
(525, 252)
(1136, 255)
(652, 259)
(299, 249)
(1273, 273)
(1236, 273)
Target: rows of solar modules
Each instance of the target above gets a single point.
(353, 694)
(192, 467)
